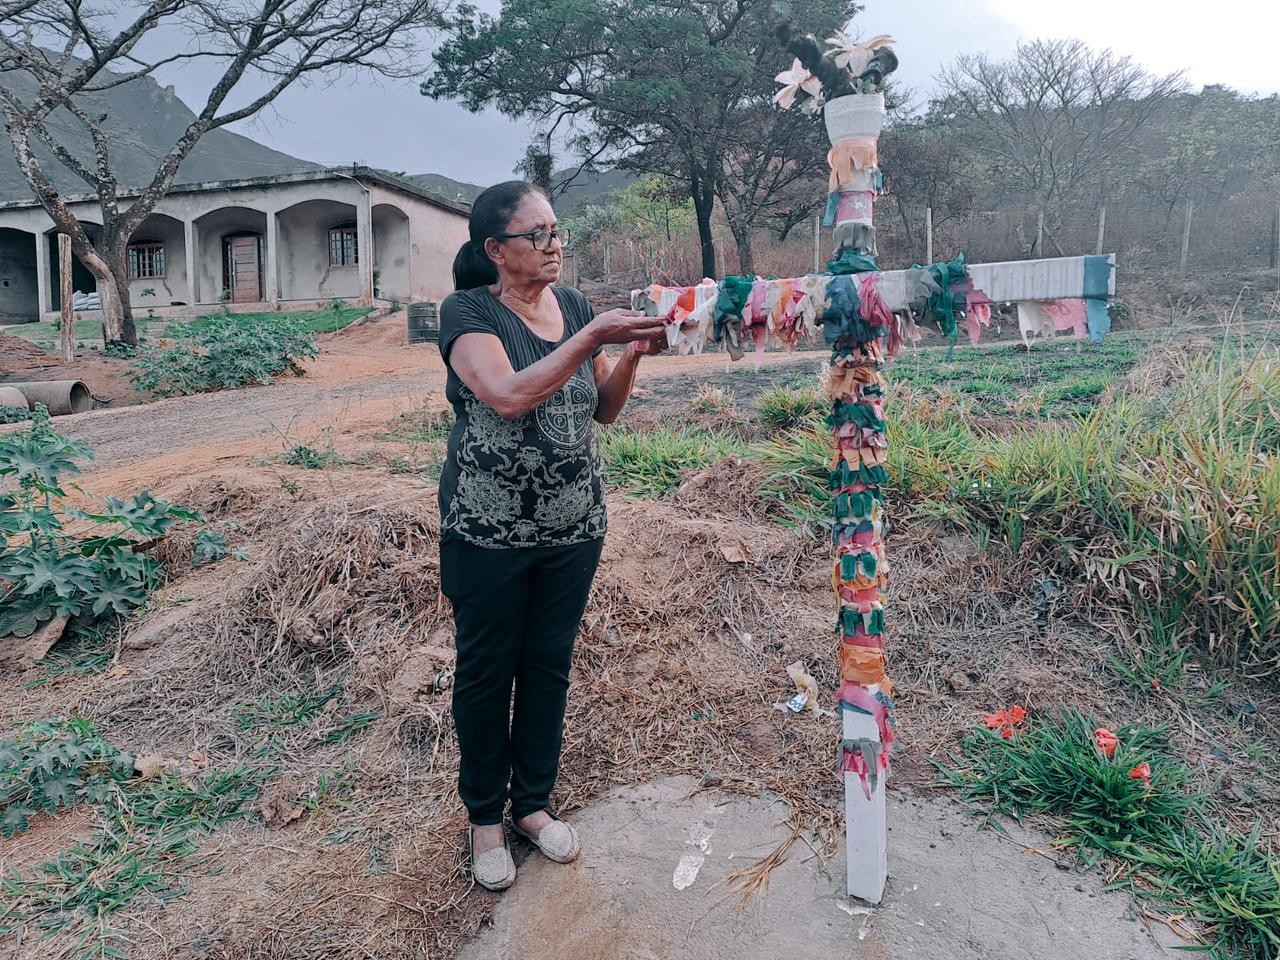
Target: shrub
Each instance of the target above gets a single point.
(48, 766)
(46, 571)
(1171, 500)
(1167, 846)
(652, 463)
(784, 408)
(14, 414)
(223, 353)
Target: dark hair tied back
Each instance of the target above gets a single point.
(490, 216)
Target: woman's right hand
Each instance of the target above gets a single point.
(624, 326)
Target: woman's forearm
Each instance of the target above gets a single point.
(484, 368)
(616, 390)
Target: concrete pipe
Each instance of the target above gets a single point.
(60, 396)
(10, 397)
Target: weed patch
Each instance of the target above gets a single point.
(652, 463)
(1135, 806)
(47, 572)
(787, 407)
(224, 352)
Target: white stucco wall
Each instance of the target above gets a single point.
(303, 260)
(19, 294)
(393, 279)
(414, 256)
(434, 238)
(173, 285)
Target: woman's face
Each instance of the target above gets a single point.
(518, 260)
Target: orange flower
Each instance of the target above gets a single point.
(1106, 741)
(1005, 720)
(1141, 772)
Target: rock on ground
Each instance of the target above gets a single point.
(649, 886)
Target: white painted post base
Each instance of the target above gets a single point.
(865, 830)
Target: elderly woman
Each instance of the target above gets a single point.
(522, 513)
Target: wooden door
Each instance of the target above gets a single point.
(244, 269)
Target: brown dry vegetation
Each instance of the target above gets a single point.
(356, 847)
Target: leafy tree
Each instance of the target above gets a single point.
(60, 56)
(677, 89)
(649, 218)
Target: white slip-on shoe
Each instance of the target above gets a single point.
(494, 869)
(558, 840)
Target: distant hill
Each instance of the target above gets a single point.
(143, 120)
(446, 187)
(585, 190)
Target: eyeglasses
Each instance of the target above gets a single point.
(541, 239)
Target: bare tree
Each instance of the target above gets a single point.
(1056, 117)
(68, 52)
(927, 165)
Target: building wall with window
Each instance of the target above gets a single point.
(148, 292)
(271, 242)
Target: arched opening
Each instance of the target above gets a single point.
(19, 283)
(391, 253)
(319, 251)
(230, 255)
(157, 262)
(84, 285)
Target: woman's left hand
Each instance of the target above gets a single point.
(650, 347)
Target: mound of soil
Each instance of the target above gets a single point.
(106, 377)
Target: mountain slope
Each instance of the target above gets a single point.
(143, 121)
(584, 190)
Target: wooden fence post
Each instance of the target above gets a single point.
(817, 244)
(928, 235)
(1186, 241)
(68, 338)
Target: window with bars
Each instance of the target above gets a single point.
(146, 260)
(343, 247)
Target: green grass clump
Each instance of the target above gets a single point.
(1169, 848)
(150, 836)
(787, 407)
(652, 463)
(1173, 496)
(309, 458)
(425, 425)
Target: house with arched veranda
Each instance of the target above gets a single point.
(279, 242)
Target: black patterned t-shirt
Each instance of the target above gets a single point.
(532, 482)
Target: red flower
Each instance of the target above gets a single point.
(1005, 720)
(1141, 772)
(1106, 741)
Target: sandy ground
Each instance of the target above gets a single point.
(652, 885)
(364, 376)
(955, 893)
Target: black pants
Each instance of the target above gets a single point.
(516, 613)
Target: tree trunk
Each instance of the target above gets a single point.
(704, 204)
(746, 256)
(117, 312)
(906, 225)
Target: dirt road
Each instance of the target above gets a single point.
(363, 377)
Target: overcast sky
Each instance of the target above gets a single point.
(1231, 42)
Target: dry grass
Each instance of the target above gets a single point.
(677, 671)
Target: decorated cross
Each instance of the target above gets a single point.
(864, 314)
